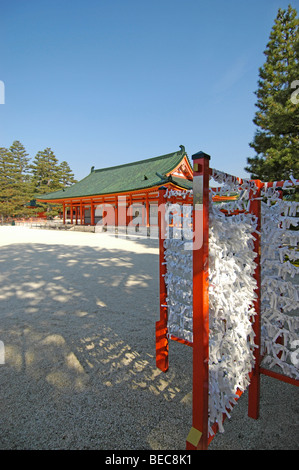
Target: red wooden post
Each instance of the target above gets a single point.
(81, 212)
(147, 212)
(71, 212)
(254, 387)
(63, 205)
(122, 214)
(161, 326)
(91, 212)
(198, 435)
(116, 214)
(130, 211)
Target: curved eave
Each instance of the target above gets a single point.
(184, 160)
(147, 189)
(141, 176)
(97, 195)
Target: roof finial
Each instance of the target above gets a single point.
(182, 149)
(92, 169)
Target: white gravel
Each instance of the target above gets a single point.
(77, 319)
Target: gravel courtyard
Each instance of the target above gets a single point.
(77, 319)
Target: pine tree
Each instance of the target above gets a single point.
(7, 183)
(23, 190)
(67, 177)
(46, 172)
(276, 141)
(19, 153)
(48, 176)
(15, 188)
(21, 182)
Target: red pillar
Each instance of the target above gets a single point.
(161, 326)
(122, 214)
(63, 204)
(91, 213)
(129, 211)
(116, 213)
(198, 435)
(254, 387)
(71, 212)
(147, 211)
(81, 212)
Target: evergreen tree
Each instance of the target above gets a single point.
(15, 188)
(276, 141)
(23, 190)
(46, 172)
(21, 182)
(20, 156)
(67, 177)
(49, 176)
(7, 183)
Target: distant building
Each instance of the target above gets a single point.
(132, 185)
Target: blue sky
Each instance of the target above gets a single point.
(106, 82)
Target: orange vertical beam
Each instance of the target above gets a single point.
(122, 213)
(71, 212)
(161, 326)
(116, 213)
(80, 211)
(254, 387)
(83, 214)
(130, 211)
(91, 212)
(147, 211)
(63, 205)
(198, 435)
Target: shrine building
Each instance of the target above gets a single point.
(101, 196)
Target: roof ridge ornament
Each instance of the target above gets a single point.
(182, 147)
(162, 177)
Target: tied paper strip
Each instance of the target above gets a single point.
(178, 193)
(179, 274)
(231, 298)
(280, 298)
(231, 294)
(231, 291)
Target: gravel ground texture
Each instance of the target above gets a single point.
(77, 320)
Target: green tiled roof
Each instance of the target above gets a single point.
(123, 178)
(184, 184)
